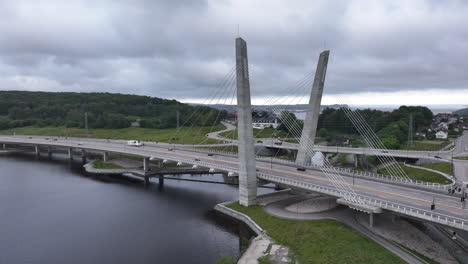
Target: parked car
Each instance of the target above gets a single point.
(135, 143)
(301, 169)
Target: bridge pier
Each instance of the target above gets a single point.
(247, 172)
(313, 111)
(49, 152)
(70, 153)
(371, 220)
(83, 156)
(146, 169)
(3, 146)
(36, 150)
(161, 180)
(105, 156)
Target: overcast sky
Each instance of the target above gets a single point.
(381, 52)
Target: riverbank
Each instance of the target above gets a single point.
(337, 236)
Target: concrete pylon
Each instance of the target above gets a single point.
(247, 172)
(313, 110)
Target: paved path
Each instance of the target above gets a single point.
(215, 135)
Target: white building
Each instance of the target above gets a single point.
(261, 123)
(441, 135)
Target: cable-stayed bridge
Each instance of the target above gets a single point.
(401, 196)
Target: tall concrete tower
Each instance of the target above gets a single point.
(313, 110)
(247, 172)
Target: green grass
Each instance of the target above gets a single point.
(427, 145)
(105, 165)
(267, 132)
(226, 260)
(417, 174)
(319, 241)
(194, 135)
(461, 158)
(342, 158)
(444, 167)
(421, 256)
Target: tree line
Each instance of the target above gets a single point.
(104, 110)
(391, 127)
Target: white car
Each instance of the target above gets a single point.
(135, 143)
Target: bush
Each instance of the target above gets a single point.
(226, 260)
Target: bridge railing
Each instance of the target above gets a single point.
(392, 206)
(349, 172)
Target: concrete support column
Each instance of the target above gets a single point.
(161, 180)
(371, 220)
(36, 150)
(49, 152)
(3, 146)
(313, 110)
(356, 161)
(83, 156)
(247, 172)
(145, 165)
(70, 153)
(105, 156)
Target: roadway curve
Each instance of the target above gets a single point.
(403, 199)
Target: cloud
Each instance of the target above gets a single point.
(183, 49)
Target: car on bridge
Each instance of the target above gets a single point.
(135, 143)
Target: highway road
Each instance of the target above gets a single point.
(405, 200)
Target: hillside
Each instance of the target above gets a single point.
(105, 110)
(461, 112)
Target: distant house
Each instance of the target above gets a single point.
(136, 123)
(231, 116)
(262, 122)
(441, 116)
(441, 135)
(442, 126)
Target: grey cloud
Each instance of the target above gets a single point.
(182, 49)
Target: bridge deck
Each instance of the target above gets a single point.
(402, 199)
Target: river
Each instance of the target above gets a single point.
(50, 212)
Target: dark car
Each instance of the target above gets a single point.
(301, 169)
(210, 154)
(197, 159)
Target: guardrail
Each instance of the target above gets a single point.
(349, 172)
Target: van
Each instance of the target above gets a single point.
(135, 143)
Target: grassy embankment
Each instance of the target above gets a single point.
(105, 165)
(267, 132)
(427, 145)
(417, 174)
(194, 135)
(319, 241)
(461, 158)
(444, 167)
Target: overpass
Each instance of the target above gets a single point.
(400, 199)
